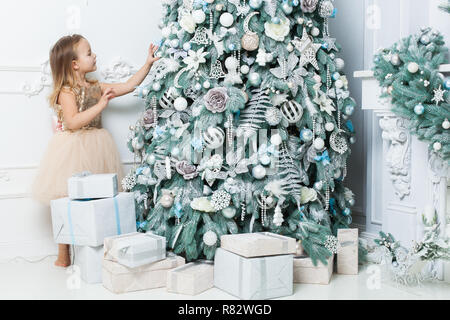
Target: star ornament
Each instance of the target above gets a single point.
(308, 50)
(438, 95)
(330, 43)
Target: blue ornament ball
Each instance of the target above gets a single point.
(447, 83)
(276, 20)
(287, 8)
(351, 202)
(419, 109)
(306, 135)
(349, 110)
(295, 3)
(255, 4)
(336, 76)
(232, 46)
(346, 212)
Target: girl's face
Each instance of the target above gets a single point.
(87, 60)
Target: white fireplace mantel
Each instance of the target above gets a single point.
(402, 175)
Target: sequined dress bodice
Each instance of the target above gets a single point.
(86, 97)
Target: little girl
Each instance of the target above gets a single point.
(81, 143)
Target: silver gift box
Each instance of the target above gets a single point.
(253, 278)
(89, 260)
(88, 223)
(119, 278)
(258, 244)
(192, 278)
(306, 272)
(135, 249)
(92, 186)
(347, 254)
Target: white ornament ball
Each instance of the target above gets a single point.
(340, 64)
(174, 43)
(437, 146)
(226, 19)
(395, 59)
(156, 86)
(319, 144)
(151, 159)
(199, 16)
(166, 32)
(166, 200)
(245, 69)
(180, 104)
(269, 57)
(339, 84)
(276, 140)
(231, 63)
(446, 124)
(255, 79)
(329, 126)
(315, 32)
(206, 84)
(210, 238)
(229, 212)
(137, 143)
(175, 152)
(219, 7)
(198, 86)
(317, 78)
(259, 172)
(290, 47)
(187, 46)
(413, 67)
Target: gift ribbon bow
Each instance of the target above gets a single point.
(324, 158)
(224, 31)
(269, 150)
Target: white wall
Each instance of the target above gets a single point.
(29, 28)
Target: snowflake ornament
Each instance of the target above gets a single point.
(220, 200)
(438, 95)
(129, 181)
(331, 244)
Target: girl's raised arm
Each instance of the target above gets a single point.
(121, 89)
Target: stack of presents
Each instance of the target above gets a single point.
(100, 223)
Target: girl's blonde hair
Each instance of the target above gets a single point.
(61, 56)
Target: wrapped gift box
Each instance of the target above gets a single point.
(82, 222)
(347, 254)
(258, 244)
(119, 278)
(192, 278)
(93, 186)
(89, 260)
(135, 249)
(253, 278)
(306, 272)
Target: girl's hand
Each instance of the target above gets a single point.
(151, 54)
(107, 95)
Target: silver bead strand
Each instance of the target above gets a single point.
(327, 197)
(243, 209)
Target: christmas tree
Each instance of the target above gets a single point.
(246, 126)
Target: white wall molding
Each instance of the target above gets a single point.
(118, 70)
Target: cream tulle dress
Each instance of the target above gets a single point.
(90, 148)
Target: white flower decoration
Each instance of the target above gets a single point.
(195, 58)
(187, 23)
(324, 102)
(277, 31)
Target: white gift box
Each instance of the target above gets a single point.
(347, 254)
(258, 244)
(306, 272)
(119, 279)
(93, 186)
(82, 222)
(192, 278)
(135, 249)
(253, 278)
(89, 260)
